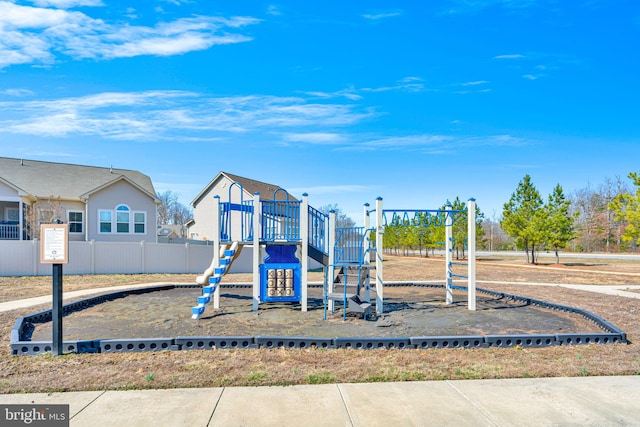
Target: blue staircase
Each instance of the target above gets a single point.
(226, 259)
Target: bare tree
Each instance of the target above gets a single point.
(46, 211)
(342, 219)
(167, 201)
(596, 227)
(495, 237)
(172, 212)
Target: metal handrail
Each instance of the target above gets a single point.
(280, 220)
(318, 227)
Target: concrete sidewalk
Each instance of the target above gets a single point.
(48, 299)
(584, 401)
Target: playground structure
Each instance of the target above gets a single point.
(284, 233)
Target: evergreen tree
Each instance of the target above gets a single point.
(460, 227)
(559, 222)
(523, 217)
(626, 207)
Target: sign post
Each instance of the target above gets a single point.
(54, 249)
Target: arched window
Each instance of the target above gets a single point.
(122, 219)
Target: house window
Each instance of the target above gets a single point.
(105, 221)
(75, 221)
(139, 221)
(12, 214)
(122, 219)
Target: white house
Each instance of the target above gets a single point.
(100, 204)
(201, 226)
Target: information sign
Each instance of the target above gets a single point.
(54, 244)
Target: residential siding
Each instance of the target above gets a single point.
(79, 207)
(121, 193)
(203, 209)
(203, 217)
(6, 191)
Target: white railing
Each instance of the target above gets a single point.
(9, 232)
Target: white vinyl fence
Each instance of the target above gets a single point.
(22, 258)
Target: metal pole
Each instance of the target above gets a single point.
(331, 271)
(379, 260)
(448, 249)
(257, 235)
(471, 243)
(304, 249)
(57, 310)
(365, 254)
(217, 247)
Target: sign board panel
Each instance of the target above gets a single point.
(54, 243)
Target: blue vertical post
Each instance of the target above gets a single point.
(366, 255)
(331, 270)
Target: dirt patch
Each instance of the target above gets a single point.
(408, 312)
(206, 368)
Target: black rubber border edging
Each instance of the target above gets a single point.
(20, 345)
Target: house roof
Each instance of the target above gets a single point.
(66, 181)
(251, 186)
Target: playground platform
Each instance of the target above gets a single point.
(583, 401)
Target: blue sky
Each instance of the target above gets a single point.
(414, 101)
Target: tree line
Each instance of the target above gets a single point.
(606, 218)
(425, 231)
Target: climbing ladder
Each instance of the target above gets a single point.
(227, 254)
(350, 273)
(348, 285)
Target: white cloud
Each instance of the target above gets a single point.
(475, 83)
(495, 140)
(175, 115)
(509, 56)
(404, 143)
(182, 116)
(67, 4)
(382, 15)
(273, 10)
(409, 84)
(32, 35)
(433, 144)
(349, 93)
(320, 138)
(410, 79)
(466, 6)
(17, 92)
(13, 16)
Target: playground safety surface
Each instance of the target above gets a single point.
(408, 311)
